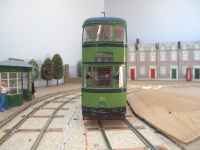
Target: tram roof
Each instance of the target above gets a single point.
(104, 19)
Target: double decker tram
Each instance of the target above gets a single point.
(104, 59)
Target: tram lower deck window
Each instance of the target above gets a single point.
(102, 77)
(87, 76)
(120, 76)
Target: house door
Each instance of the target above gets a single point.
(132, 74)
(197, 73)
(153, 73)
(188, 74)
(173, 73)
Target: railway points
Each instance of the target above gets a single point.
(118, 132)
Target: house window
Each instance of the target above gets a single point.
(173, 56)
(141, 48)
(184, 46)
(174, 47)
(162, 47)
(132, 57)
(196, 46)
(142, 56)
(142, 70)
(131, 48)
(196, 55)
(152, 56)
(163, 70)
(162, 56)
(185, 55)
(152, 48)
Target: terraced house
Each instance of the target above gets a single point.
(164, 61)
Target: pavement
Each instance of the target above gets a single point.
(40, 92)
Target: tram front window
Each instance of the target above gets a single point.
(88, 34)
(102, 77)
(87, 76)
(120, 77)
(103, 32)
(120, 33)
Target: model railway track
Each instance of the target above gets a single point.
(149, 146)
(105, 136)
(37, 141)
(3, 123)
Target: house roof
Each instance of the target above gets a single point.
(15, 63)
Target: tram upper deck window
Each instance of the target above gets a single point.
(120, 33)
(88, 34)
(103, 32)
(102, 77)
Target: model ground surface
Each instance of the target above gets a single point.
(173, 109)
(40, 92)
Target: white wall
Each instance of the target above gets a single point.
(158, 20)
(41, 28)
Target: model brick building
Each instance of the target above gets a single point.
(164, 61)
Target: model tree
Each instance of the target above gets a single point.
(35, 70)
(58, 67)
(47, 70)
(80, 69)
(35, 73)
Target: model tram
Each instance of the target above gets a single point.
(104, 59)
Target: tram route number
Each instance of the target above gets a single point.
(103, 59)
(102, 98)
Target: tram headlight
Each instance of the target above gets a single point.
(102, 103)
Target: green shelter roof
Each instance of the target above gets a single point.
(104, 19)
(15, 63)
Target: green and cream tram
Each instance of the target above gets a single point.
(104, 58)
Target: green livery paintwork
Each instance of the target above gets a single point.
(113, 100)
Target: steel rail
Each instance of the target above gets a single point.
(13, 116)
(105, 136)
(16, 126)
(149, 146)
(37, 141)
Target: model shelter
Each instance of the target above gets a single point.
(18, 77)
